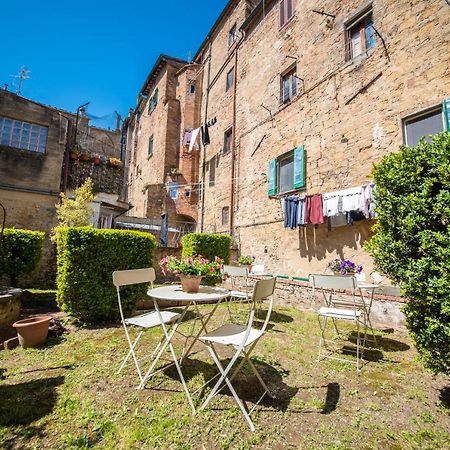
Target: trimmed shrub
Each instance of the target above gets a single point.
(209, 246)
(20, 252)
(86, 259)
(411, 243)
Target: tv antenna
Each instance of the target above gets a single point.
(23, 75)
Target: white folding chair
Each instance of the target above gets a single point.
(238, 279)
(243, 338)
(336, 309)
(257, 269)
(143, 321)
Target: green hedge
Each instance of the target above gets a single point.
(20, 252)
(209, 246)
(86, 259)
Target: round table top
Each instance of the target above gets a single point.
(174, 293)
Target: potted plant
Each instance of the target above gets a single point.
(344, 267)
(191, 270)
(246, 261)
(96, 159)
(115, 162)
(74, 154)
(32, 332)
(84, 156)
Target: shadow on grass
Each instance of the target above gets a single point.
(332, 398)
(383, 343)
(246, 383)
(444, 396)
(24, 403)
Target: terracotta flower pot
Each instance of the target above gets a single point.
(96, 160)
(32, 332)
(84, 157)
(190, 283)
(74, 156)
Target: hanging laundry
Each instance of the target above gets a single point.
(314, 209)
(367, 203)
(187, 137)
(301, 211)
(291, 212)
(354, 216)
(350, 199)
(331, 204)
(194, 137)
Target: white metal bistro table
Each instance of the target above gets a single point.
(367, 301)
(174, 293)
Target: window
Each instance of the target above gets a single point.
(360, 34)
(23, 135)
(150, 146)
(289, 84)
(153, 101)
(225, 215)
(416, 127)
(232, 35)
(230, 79)
(287, 10)
(227, 141)
(212, 171)
(173, 190)
(287, 172)
(191, 88)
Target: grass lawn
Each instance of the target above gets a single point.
(67, 395)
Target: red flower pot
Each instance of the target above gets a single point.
(84, 157)
(32, 332)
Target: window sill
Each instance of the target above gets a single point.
(287, 193)
(287, 24)
(22, 152)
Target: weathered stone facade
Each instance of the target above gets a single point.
(155, 154)
(347, 114)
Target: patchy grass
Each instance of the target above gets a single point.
(67, 395)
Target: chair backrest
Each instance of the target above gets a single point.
(332, 281)
(128, 277)
(136, 276)
(235, 271)
(263, 290)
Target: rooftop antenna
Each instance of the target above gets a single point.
(23, 75)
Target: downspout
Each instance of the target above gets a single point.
(68, 147)
(233, 147)
(202, 217)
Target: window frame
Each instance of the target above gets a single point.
(292, 74)
(358, 22)
(191, 85)
(283, 157)
(227, 137)
(232, 38)
(212, 171)
(422, 114)
(40, 145)
(229, 84)
(283, 10)
(225, 214)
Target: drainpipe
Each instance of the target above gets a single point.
(202, 217)
(66, 156)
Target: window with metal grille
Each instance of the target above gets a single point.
(287, 10)
(23, 135)
(360, 34)
(232, 35)
(191, 88)
(227, 141)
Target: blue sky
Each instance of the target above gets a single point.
(100, 50)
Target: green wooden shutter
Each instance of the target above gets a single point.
(155, 97)
(446, 106)
(299, 167)
(272, 178)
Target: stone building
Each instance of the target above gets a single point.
(35, 167)
(306, 96)
(346, 82)
(162, 172)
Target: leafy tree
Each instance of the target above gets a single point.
(77, 212)
(411, 243)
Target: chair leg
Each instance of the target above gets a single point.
(136, 363)
(322, 343)
(255, 371)
(357, 347)
(225, 379)
(130, 352)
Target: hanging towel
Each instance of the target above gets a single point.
(187, 137)
(314, 209)
(194, 137)
(350, 199)
(331, 203)
(301, 211)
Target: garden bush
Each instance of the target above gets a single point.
(20, 252)
(411, 243)
(86, 259)
(209, 246)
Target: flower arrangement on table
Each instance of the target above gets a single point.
(344, 267)
(191, 269)
(246, 260)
